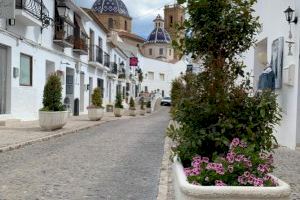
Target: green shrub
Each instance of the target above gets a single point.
(52, 98)
(213, 108)
(118, 103)
(97, 98)
(142, 104)
(131, 104)
(148, 104)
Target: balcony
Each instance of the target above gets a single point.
(64, 33)
(96, 57)
(80, 45)
(113, 70)
(106, 60)
(32, 13)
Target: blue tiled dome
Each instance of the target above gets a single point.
(111, 7)
(159, 35)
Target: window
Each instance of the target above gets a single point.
(146, 88)
(125, 25)
(171, 21)
(151, 75)
(110, 23)
(162, 77)
(150, 52)
(26, 70)
(161, 51)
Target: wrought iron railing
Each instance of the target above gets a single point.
(106, 59)
(96, 54)
(64, 31)
(36, 8)
(113, 68)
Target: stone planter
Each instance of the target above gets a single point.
(132, 112)
(118, 112)
(186, 191)
(52, 120)
(95, 114)
(142, 112)
(148, 110)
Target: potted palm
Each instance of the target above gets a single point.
(53, 114)
(96, 111)
(132, 107)
(142, 111)
(118, 110)
(148, 109)
(223, 134)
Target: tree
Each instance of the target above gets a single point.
(213, 108)
(97, 98)
(53, 94)
(131, 104)
(118, 103)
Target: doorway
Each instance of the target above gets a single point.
(82, 92)
(3, 80)
(70, 87)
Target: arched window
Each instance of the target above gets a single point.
(125, 25)
(110, 23)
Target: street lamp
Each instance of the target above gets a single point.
(63, 10)
(289, 13)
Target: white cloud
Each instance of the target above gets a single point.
(142, 11)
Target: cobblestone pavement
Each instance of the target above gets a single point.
(287, 164)
(119, 160)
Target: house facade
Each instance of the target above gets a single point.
(278, 46)
(38, 38)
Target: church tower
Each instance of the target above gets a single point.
(174, 14)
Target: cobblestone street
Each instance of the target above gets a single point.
(118, 160)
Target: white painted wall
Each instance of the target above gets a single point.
(275, 26)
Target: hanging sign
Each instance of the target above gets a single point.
(134, 61)
(7, 9)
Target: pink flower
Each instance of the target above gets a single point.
(230, 157)
(205, 160)
(235, 142)
(258, 182)
(243, 144)
(247, 174)
(242, 180)
(219, 183)
(230, 168)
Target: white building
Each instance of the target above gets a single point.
(275, 33)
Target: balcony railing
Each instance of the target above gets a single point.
(64, 34)
(35, 8)
(96, 54)
(81, 44)
(106, 59)
(113, 68)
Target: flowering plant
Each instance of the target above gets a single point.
(241, 166)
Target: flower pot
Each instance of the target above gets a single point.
(186, 191)
(148, 110)
(118, 112)
(52, 120)
(132, 113)
(142, 112)
(95, 114)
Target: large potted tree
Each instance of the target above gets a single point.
(223, 134)
(142, 111)
(96, 111)
(53, 115)
(118, 110)
(132, 109)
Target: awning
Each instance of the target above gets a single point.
(79, 23)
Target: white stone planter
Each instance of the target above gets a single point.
(95, 114)
(132, 113)
(148, 110)
(186, 191)
(53, 120)
(118, 112)
(142, 112)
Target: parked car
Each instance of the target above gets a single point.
(166, 101)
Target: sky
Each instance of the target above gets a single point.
(143, 12)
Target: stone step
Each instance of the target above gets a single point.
(9, 122)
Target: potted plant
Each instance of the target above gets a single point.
(148, 107)
(224, 135)
(118, 110)
(96, 111)
(142, 111)
(132, 107)
(53, 115)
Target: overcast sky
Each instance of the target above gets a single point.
(142, 12)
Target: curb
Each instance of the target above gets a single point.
(163, 186)
(63, 133)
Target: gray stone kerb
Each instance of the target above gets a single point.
(61, 133)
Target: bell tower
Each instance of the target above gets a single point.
(174, 14)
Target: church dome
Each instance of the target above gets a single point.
(159, 35)
(111, 7)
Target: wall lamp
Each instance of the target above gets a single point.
(289, 14)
